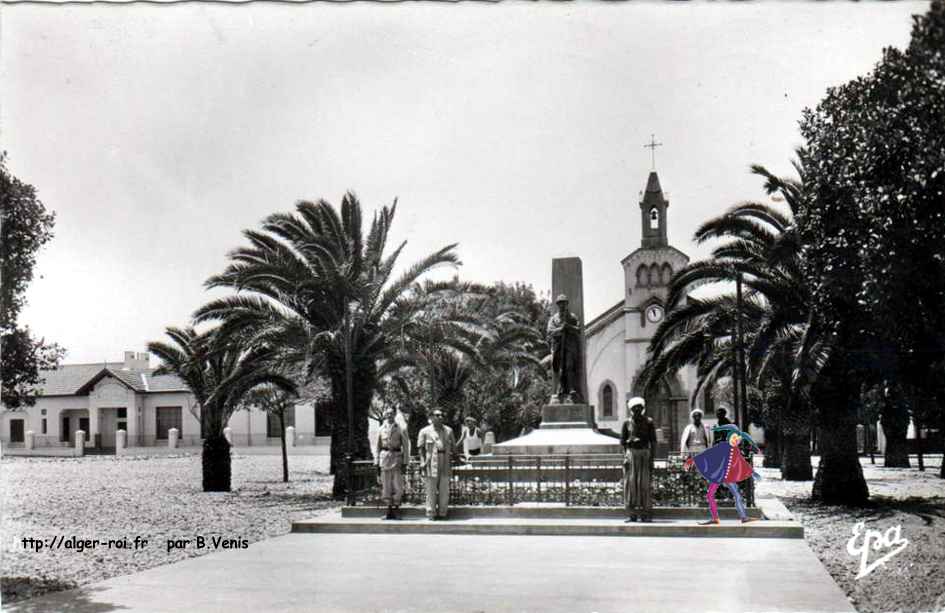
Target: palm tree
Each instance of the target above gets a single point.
(220, 371)
(314, 286)
(784, 346)
(454, 337)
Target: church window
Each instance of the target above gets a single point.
(643, 276)
(607, 401)
(654, 274)
(654, 219)
(667, 273)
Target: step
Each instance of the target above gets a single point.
(552, 527)
(548, 511)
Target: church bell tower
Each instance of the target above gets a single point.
(653, 214)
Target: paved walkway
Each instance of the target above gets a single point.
(444, 573)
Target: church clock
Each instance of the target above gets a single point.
(654, 313)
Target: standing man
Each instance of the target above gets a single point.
(638, 437)
(719, 435)
(564, 342)
(695, 437)
(435, 443)
(393, 445)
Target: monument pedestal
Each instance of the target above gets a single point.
(565, 428)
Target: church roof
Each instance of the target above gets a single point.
(602, 320)
(664, 247)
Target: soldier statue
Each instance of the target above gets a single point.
(564, 341)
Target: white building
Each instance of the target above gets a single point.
(101, 399)
(617, 339)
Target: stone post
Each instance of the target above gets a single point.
(172, 438)
(488, 442)
(29, 441)
(79, 443)
(227, 434)
(290, 436)
(121, 441)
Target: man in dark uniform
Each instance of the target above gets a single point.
(723, 421)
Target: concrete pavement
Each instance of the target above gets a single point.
(444, 573)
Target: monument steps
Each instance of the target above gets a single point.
(485, 526)
(549, 512)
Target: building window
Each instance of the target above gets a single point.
(44, 425)
(643, 276)
(607, 401)
(167, 418)
(666, 273)
(123, 413)
(16, 431)
(654, 219)
(654, 274)
(272, 422)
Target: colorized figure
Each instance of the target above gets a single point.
(723, 464)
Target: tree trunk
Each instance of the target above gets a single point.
(772, 457)
(417, 422)
(796, 442)
(895, 423)
(839, 478)
(216, 464)
(285, 455)
(795, 457)
(364, 380)
(941, 408)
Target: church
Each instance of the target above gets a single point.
(616, 341)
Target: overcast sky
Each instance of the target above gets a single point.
(157, 134)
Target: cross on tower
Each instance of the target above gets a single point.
(652, 147)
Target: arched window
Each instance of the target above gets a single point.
(607, 401)
(654, 219)
(643, 276)
(666, 273)
(654, 274)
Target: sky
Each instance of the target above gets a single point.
(159, 133)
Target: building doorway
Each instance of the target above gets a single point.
(17, 431)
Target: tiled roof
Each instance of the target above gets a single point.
(71, 378)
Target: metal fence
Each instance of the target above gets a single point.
(569, 479)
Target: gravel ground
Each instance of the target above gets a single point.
(155, 498)
(913, 580)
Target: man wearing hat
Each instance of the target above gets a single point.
(435, 443)
(696, 436)
(564, 341)
(638, 437)
(393, 445)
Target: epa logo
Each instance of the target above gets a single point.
(891, 542)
